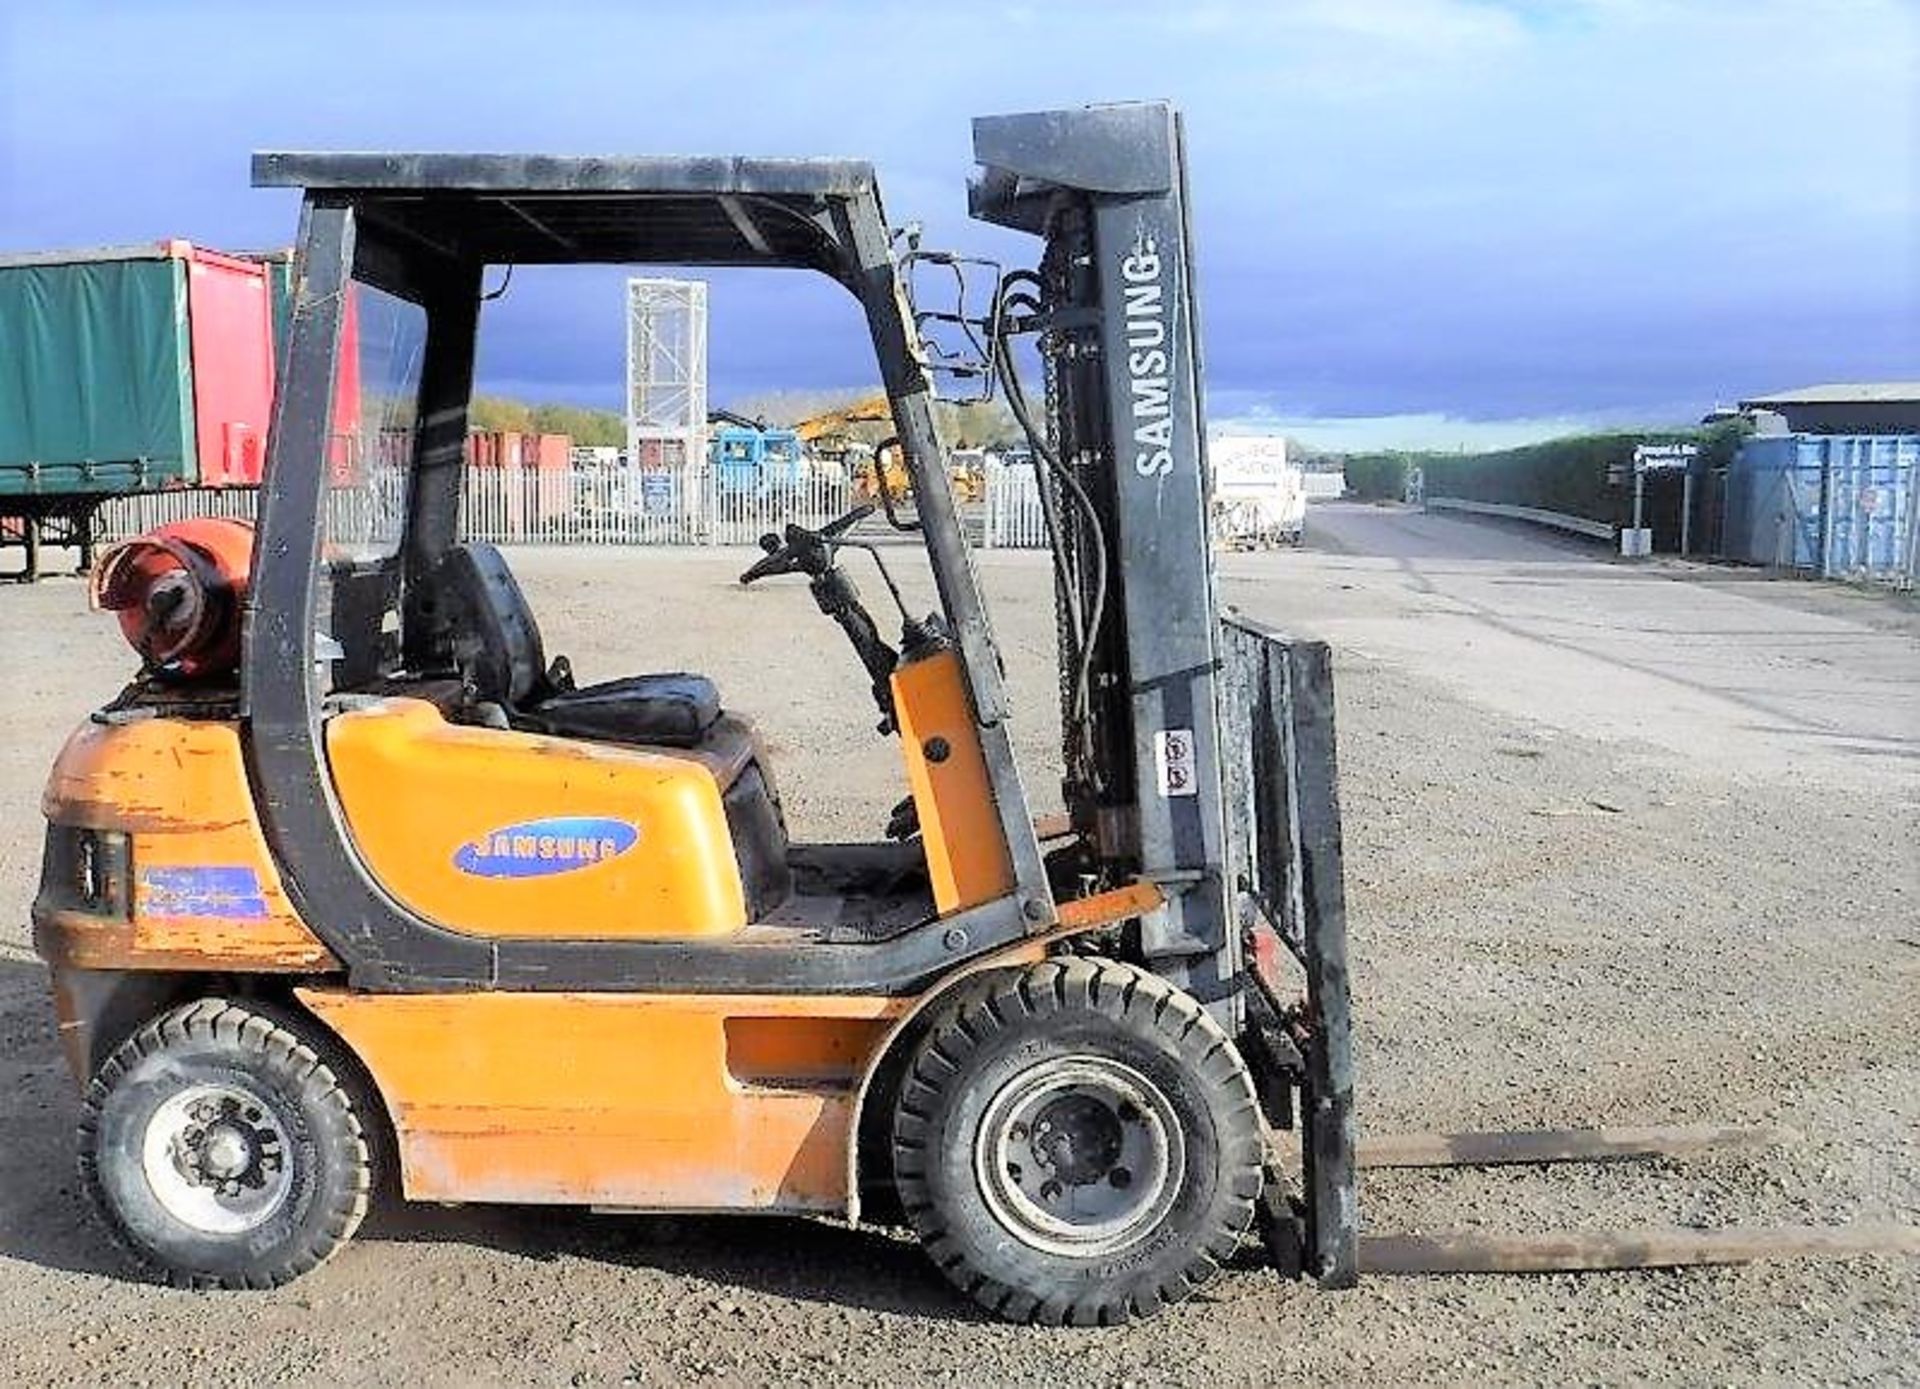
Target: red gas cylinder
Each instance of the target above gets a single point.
(178, 591)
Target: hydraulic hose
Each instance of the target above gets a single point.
(1090, 622)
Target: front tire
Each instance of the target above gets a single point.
(221, 1150)
(1077, 1142)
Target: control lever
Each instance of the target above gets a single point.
(810, 552)
(803, 551)
(840, 600)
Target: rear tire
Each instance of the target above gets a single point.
(221, 1150)
(1077, 1142)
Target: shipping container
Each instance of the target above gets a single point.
(539, 497)
(1833, 505)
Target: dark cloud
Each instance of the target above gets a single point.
(1407, 206)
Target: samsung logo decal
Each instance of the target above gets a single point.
(1148, 360)
(535, 848)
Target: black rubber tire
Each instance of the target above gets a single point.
(275, 1054)
(1002, 1027)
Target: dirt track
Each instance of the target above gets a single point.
(1622, 844)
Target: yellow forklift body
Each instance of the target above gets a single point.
(647, 1101)
(501, 833)
(205, 894)
(966, 852)
(654, 1101)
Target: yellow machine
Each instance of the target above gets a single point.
(881, 474)
(830, 434)
(354, 873)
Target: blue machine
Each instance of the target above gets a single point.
(753, 458)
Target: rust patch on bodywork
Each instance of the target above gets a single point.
(68, 939)
(203, 892)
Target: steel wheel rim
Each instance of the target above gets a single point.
(216, 1158)
(1079, 1156)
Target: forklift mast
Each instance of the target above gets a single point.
(1126, 490)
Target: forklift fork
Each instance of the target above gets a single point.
(1284, 829)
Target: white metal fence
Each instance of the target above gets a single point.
(142, 511)
(1013, 518)
(627, 506)
(585, 504)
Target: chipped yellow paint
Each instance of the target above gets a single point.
(178, 789)
(610, 1099)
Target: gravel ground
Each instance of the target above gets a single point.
(1624, 844)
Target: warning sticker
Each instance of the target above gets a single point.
(1173, 760)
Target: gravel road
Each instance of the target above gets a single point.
(1624, 844)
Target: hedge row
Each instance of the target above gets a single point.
(1568, 475)
(1379, 476)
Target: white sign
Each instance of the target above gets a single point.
(1248, 458)
(1173, 759)
(1653, 458)
(1256, 491)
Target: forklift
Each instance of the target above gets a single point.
(355, 887)
(354, 877)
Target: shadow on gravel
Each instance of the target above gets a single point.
(803, 1260)
(43, 1217)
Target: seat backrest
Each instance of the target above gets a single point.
(496, 642)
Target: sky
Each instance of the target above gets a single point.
(1422, 223)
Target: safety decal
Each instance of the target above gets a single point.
(535, 848)
(229, 890)
(1173, 762)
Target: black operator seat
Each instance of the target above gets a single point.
(496, 645)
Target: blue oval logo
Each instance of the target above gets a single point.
(536, 848)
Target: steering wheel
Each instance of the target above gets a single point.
(803, 551)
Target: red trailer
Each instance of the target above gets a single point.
(128, 369)
(230, 323)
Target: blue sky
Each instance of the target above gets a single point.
(1420, 221)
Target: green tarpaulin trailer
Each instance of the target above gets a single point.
(127, 369)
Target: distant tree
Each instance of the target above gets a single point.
(1313, 458)
(1379, 476)
(589, 428)
(989, 424)
(491, 412)
(986, 425)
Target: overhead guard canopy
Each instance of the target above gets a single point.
(503, 209)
